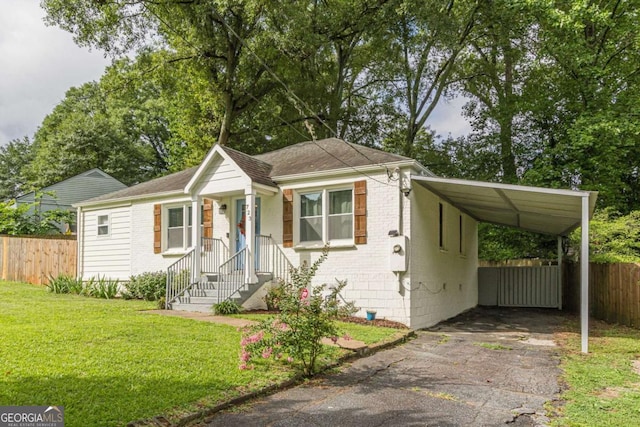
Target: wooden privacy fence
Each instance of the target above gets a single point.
(614, 292)
(33, 259)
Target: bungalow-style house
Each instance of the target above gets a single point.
(406, 245)
(62, 195)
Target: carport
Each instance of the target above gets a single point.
(541, 210)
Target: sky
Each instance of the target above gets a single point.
(38, 64)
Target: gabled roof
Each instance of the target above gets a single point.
(302, 158)
(258, 170)
(324, 155)
(88, 184)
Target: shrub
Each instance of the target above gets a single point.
(306, 317)
(227, 307)
(101, 287)
(273, 297)
(613, 237)
(64, 284)
(149, 286)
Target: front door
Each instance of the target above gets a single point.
(241, 208)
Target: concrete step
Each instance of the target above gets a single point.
(202, 308)
(203, 300)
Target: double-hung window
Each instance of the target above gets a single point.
(179, 223)
(103, 225)
(326, 216)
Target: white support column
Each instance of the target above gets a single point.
(584, 276)
(560, 256)
(250, 236)
(196, 236)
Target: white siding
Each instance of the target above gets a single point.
(443, 281)
(109, 255)
(221, 177)
(370, 281)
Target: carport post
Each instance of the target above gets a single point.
(560, 255)
(584, 276)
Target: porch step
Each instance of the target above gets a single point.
(202, 296)
(202, 308)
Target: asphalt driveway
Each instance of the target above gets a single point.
(487, 367)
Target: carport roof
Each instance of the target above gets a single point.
(542, 210)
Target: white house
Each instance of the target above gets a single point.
(405, 249)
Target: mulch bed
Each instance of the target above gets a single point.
(383, 323)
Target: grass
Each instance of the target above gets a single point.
(603, 389)
(493, 346)
(108, 364)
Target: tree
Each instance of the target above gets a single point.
(217, 38)
(93, 128)
(14, 157)
(426, 39)
(590, 56)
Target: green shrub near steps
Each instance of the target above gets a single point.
(149, 286)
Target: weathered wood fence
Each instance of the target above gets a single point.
(34, 259)
(614, 291)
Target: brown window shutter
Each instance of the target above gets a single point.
(360, 212)
(207, 221)
(157, 229)
(287, 218)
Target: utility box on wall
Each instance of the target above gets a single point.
(398, 256)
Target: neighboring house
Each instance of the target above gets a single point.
(406, 248)
(62, 195)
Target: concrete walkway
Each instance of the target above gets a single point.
(488, 367)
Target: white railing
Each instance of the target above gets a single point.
(271, 259)
(213, 253)
(231, 275)
(180, 276)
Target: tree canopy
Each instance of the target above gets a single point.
(551, 87)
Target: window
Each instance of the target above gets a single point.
(326, 215)
(103, 225)
(177, 233)
(440, 225)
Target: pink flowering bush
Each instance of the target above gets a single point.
(306, 316)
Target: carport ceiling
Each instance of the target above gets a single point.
(542, 210)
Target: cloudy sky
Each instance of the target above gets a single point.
(37, 66)
(39, 63)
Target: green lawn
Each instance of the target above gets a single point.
(107, 363)
(602, 390)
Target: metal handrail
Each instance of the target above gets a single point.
(231, 275)
(213, 253)
(180, 276)
(272, 259)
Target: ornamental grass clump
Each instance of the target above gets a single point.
(307, 315)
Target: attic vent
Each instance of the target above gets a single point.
(95, 174)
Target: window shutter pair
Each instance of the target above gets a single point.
(157, 224)
(359, 214)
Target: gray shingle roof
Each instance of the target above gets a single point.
(257, 170)
(311, 156)
(174, 182)
(324, 155)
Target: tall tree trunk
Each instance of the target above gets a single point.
(506, 118)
